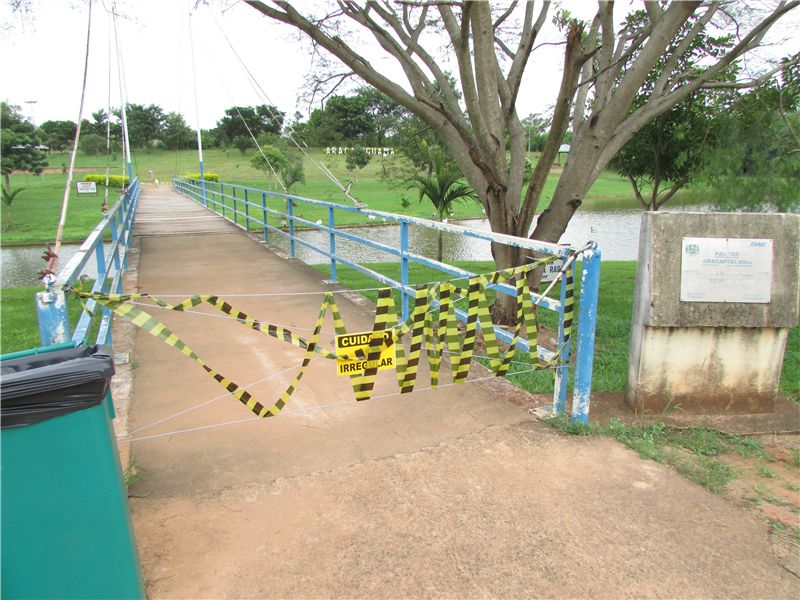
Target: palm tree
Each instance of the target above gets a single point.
(443, 187)
(291, 173)
(8, 197)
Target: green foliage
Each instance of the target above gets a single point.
(259, 119)
(18, 144)
(206, 176)
(292, 173)
(113, 180)
(59, 135)
(755, 165)
(242, 143)
(443, 188)
(176, 134)
(93, 144)
(145, 124)
(8, 198)
(357, 157)
(666, 154)
(528, 169)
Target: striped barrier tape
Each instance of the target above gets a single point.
(419, 324)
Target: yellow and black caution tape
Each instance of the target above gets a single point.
(419, 324)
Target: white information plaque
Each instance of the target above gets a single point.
(726, 270)
(86, 187)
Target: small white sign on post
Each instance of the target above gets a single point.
(86, 187)
(551, 270)
(726, 270)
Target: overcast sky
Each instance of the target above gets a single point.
(44, 60)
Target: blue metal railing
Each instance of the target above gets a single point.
(111, 260)
(234, 202)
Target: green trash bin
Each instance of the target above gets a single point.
(66, 524)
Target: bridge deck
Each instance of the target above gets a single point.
(449, 492)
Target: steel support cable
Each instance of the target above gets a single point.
(123, 91)
(212, 400)
(52, 264)
(269, 164)
(257, 88)
(108, 122)
(309, 409)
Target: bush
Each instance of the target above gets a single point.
(113, 180)
(93, 144)
(207, 177)
(528, 169)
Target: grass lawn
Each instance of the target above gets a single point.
(19, 328)
(37, 209)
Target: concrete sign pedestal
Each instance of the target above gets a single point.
(720, 350)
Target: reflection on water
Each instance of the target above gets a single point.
(20, 265)
(611, 222)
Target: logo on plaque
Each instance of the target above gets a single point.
(692, 249)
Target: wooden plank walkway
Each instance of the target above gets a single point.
(164, 212)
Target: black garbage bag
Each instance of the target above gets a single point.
(40, 387)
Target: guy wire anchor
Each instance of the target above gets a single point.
(48, 296)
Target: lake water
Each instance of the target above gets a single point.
(611, 222)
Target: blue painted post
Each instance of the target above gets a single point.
(404, 267)
(333, 243)
(101, 272)
(246, 213)
(587, 326)
(123, 239)
(235, 217)
(51, 308)
(114, 236)
(562, 366)
(264, 204)
(291, 228)
(222, 197)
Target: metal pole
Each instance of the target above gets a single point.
(197, 113)
(587, 327)
(404, 267)
(51, 307)
(333, 243)
(291, 230)
(264, 204)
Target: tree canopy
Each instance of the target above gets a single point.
(605, 67)
(19, 144)
(259, 119)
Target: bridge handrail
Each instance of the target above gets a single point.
(205, 193)
(111, 259)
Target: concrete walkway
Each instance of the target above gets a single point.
(453, 492)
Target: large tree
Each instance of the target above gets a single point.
(19, 151)
(604, 70)
(755, 163)
(59, 135)
(248, 122)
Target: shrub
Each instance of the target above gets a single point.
(93, 144)
(113, 180)
(207, 176)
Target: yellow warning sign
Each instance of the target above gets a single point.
(355, 350)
